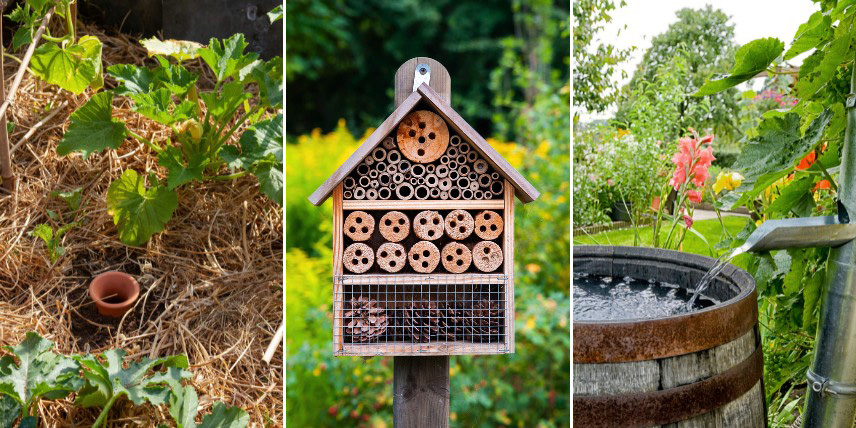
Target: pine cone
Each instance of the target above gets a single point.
(478, 322)
(365, 321)
(421, 322)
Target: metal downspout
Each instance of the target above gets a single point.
(831, 403)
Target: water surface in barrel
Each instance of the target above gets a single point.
(604, 298)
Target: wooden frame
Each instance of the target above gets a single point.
(395, 205)
(508, 263)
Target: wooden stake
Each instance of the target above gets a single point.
(421, 384)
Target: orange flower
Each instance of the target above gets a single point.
(807, 161)
(823, 184)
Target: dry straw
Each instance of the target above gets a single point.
(211, 283)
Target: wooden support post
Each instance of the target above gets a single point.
(421, 392)
(421, 384)
(7, 177)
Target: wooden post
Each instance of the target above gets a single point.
(6, 175)
(421, 384)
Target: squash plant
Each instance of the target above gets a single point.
(203, 124)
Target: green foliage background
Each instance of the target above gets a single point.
(524, 95)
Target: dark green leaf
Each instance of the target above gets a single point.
(38, 373)
(268, 75)
(270, 180)
(225, 417)
(9, 410)
(796, 273)
(176, 78)
(133, 78)
(181, 171)
(223, 106)
(93, 128)
(71, 198)
(820, 66)
(751, 59)
(29, 422)
(226, 58)
(790, 195)
(810, 34)
(261, 141)
(159, 106)
(811, 294)
(183, 406)
(137, 211)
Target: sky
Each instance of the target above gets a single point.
(752, 19)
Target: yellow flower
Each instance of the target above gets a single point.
(533, 268)
(727, 181)
(530, 323)
(316, 372)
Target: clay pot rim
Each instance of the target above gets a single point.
(135, 289)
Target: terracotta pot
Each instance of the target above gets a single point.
(114, 293)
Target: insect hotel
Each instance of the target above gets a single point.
(423, 232)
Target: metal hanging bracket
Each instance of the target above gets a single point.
(421, 75)
(824, 386)
(851, 101)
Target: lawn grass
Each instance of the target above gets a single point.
(710, 229)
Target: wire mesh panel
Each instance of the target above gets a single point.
(422, 314)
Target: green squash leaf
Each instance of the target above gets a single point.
(268, 76)
(226, 58)
(39, 372)
(159, 106)
(222, 106)
(275, 14)
(181, 171)
(138, 382)
(176, 78)
(181, 50)
(225, 417)
(137, 211)
(183, 407)
(261, 141)
(9, 410)
(751, 59)
(774, 153)
(133, 79)
(792, 194)
(73, 67)
(93, 127)
(71, 198)
(270, 181)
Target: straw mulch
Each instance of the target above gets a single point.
(211, 282)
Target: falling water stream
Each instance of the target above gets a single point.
(714, 270)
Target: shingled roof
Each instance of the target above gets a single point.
(524, 191)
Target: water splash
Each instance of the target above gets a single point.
(601, 298)
(714, 270)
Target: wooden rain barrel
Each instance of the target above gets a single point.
(701, 369)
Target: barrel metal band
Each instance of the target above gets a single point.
(670, 405)
(615, 342)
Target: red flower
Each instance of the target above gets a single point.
(688, 221)
(807, 161)
(694, 195)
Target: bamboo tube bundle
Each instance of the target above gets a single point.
(430, 168)
(453, 175)
(422, 192)
(464, 169)
(359, 225)
(404, 166)
(494, 175)
(428, 225)
(478, 194)
(435, 192)
(371, 194)
(424, 257)
(454, 193)
(497, 187)
(392, 169)
(417, 170)
(422, 136)
(349, 183)
(474, 185)
(453, 166)
(480, 166)
(484, 180)
(347, 194)
(391, 257)
(456, 257)
(466, 194)
(487, 256)
(404, 191)
(442, 171)
(358, 258)
(444, 159)
(472, 156)
(455, 141)
(488, 225)
(394, 226)
(459, 224)
(379, 154)
(444, 194)
(362, 169)
(359, 193)
(384, 193)
(380, 167)
(388, 143)
(397, 178)
(364, 181)
(431, 180)
(452, 152)
(369, 161)
(373, 173)
(463, 182)
(461, 159)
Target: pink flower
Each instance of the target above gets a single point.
(610, 182)
(688, 221)
(694, 195)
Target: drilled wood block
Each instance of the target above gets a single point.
(394, 226)
(423, 136)
(391, 257)
(424, 257)
(428, 225)
(487, 256)
(358, 258)
(459, 224)
(359, 225)
(456, 257)
(488, 225)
